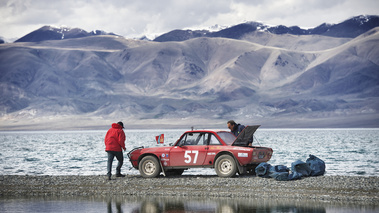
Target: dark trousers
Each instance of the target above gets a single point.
(120, 157)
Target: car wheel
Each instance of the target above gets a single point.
(149, 167)
(226, 166)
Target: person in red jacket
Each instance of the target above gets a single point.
(114, 144)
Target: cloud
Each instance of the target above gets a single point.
(131, 18)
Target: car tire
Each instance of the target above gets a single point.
(225, 166)
(149, 167)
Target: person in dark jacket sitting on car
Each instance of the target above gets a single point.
(236, 129)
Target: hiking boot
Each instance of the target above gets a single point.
(109, 178)
(120, 175)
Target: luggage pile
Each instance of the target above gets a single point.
(313, 166)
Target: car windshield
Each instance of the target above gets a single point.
(227, 137)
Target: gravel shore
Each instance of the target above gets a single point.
(326, 188)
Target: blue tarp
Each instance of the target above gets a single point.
(317, 165)
(312, 167)
(266, 170)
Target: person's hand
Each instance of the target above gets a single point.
(124, 149)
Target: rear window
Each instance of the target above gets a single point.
(227, 137)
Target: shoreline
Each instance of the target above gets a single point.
(323, 188)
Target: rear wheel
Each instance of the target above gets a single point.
(225, 166)
(149, 167)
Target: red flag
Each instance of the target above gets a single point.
(159, 138)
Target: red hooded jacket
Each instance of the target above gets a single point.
(115, 139)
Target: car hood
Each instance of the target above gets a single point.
(245, 136)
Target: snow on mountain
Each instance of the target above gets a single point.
(203, 81)
(350, 28)
(58, 33)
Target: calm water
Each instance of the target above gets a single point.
(345, 151)
(177, 205)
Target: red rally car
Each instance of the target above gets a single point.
(220, 150)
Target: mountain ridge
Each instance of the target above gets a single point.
(200, 82)
(58, 33)
(357, 25)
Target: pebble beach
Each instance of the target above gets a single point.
(324, 188)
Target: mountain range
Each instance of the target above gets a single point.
(348, 29)
(58, 33)
(55, 78)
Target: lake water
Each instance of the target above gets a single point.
(129, 204)
(348, 152)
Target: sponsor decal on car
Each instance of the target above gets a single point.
(243, 155)
(215, 147)
(242, 149)
(211, 153)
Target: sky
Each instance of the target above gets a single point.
(135, 18)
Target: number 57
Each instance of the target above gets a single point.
(188, 157)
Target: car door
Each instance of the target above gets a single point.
(191, 150)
